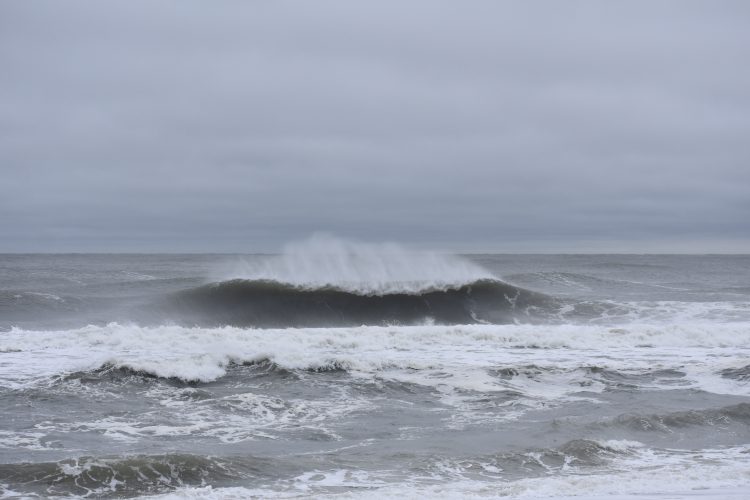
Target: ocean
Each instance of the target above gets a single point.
(370, 371)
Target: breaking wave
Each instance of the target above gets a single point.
(263, 303)
(204, 354)
(118, 476)
(153, 474)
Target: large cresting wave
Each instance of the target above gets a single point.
(262, 303)
(326, 281)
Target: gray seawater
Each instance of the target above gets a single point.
(220, 376)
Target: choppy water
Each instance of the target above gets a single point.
(368, 371)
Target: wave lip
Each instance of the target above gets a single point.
(267, 304)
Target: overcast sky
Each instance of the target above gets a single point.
(237, 126)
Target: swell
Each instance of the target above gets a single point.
(17, 305)
(268, 304)
(670, 422)
(128, 476)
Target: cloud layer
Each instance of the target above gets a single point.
(475, 126)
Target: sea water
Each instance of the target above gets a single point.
(371, 371)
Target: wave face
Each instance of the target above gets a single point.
(263, 303)
(325, 282)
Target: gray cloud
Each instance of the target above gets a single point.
(236, 126)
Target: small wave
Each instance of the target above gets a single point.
(131, 275)
(117, 476)
(742, 373)
(154, 474)
(576, 456)
(111, 373)
(588, 452)
(641, 473)
(669, 422)
(12, 300)
(159, 474)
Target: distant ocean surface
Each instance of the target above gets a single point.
(366, 371)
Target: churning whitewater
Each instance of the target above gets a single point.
(367, 371)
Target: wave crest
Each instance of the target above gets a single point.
(361, 268)
(128, 475)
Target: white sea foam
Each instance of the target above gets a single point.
(229, 419)
(666, 312)
(27, 440)
(366, 268)
(138, 276)
(445, 357)
(48, 296)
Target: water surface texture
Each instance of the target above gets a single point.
(366, 371)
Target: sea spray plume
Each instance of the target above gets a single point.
(362, 268)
